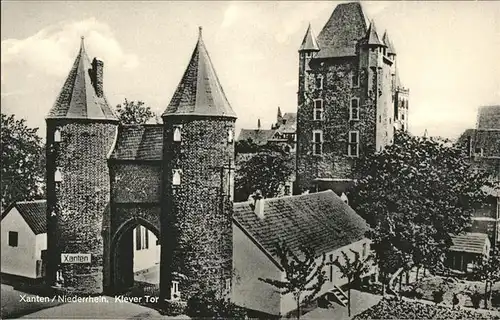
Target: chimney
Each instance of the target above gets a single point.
(97, 72)
(258, 204)
(258, 124)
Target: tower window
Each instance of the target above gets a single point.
(58, 175)
(355, 79)
(353, 149)
(402, 116)
(57, 135)
(319, 82)
(230, 136)
(354, 110)
(176, 177)
(13, 238)
(317, 142)
(318, 109)
(177, 132)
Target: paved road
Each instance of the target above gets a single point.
(16, 303)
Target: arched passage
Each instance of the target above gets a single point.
(123, 247)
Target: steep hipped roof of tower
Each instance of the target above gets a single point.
(340, 34)
(372, 35)
(199, 91)
(488, 118)
(387, 41)
(78, 98)
(309, 42)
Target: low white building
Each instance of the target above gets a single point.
(146, 249)
(24, 237)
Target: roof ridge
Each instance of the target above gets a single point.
(31, 201)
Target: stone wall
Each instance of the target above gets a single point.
(77, 205)
(197, 214)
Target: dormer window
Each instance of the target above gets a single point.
(177, 132)
(230, 136)
(319, 82)
(58, 175)
(176, 177)
(57, 135)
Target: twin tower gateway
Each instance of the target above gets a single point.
(105, 178)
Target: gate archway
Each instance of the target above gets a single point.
(122, 253)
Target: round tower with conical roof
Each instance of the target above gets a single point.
(198, 175)
(81, 130)
(307, 50)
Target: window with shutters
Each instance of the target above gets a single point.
(353, 147)
(318, 109)
(317, 142)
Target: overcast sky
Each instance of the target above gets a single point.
(448, 53)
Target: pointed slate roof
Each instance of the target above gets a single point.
(199, 91)
(488, 118)
(342, 31)
(309, 42)
(78, 98)
(388, 43)
(372, 35)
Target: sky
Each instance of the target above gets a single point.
(448, 53)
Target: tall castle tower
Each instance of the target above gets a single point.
(348, 84)
(81, 130)
(198, 161)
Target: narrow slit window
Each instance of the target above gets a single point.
(230, 136)
(57, 135)
(355, 79)
(177, 133)
(319, 82)
(58, 175)
(176, 177)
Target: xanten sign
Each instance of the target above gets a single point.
(75, 257)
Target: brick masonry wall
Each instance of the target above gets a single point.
(136, 182)
(336, 94)
(197, 214)
(81, 201)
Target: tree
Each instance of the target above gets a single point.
(266, 171)
(206, 305)
(415, 194)
(488, 270)
(132, 112)
(302, 274)
(353, 270)
(23, 161)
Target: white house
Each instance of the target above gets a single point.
(322, 221)
(24, 237)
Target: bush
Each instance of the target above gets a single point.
(495, 298)
(202, 306)
(437, 295)
(174, 308)
(476, 298)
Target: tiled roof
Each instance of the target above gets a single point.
(488, 118)
(258, 136)
(33, 212)
(321, 221)
(388, 43)
(343, 30)
(469, 242)
(78, 98)
(199, 91)
(139, 142)
(309, 42)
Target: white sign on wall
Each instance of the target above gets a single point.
(75, 257)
